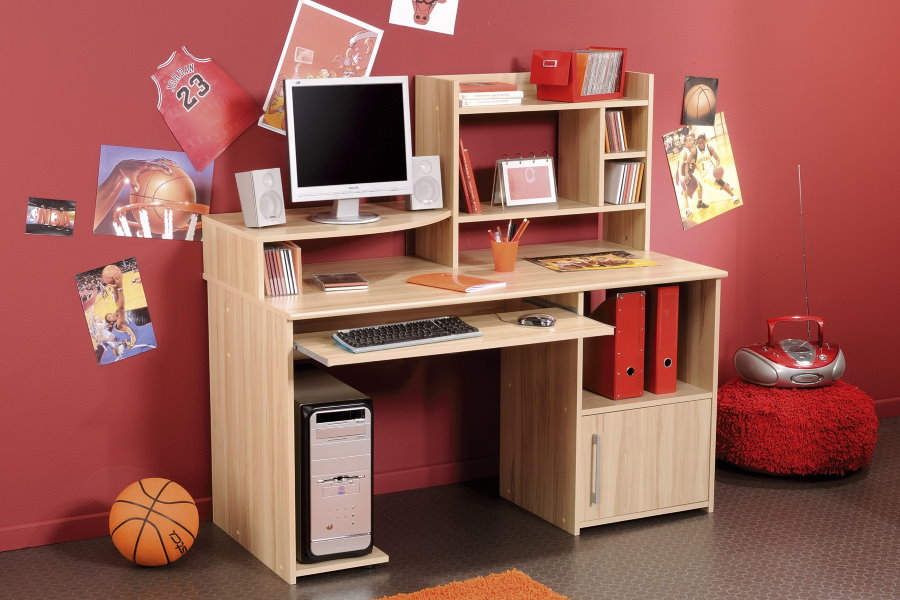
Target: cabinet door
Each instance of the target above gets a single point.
(644, 459)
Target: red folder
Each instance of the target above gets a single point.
(559, 75)
(661, 363)
(614, 364)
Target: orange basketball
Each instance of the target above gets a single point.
(718, 172)
(176, 187)
(699, 102)
(153, 522)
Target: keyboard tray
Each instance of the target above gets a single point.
(496, 333)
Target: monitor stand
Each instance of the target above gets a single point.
(345, 211)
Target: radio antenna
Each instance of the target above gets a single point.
(803, 241)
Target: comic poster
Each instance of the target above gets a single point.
(438, 16)
(50, 217)
(703, 170)
(150, 194)
(321, 43)
(115, 309)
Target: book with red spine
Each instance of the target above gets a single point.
(467, 180)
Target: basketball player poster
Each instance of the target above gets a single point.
(704, 171)
(320, 43)
(115, 308)
(438, 16)
(150, 194)
(50, 217)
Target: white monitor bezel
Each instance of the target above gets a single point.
(347, 191)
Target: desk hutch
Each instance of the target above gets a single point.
(567, 455)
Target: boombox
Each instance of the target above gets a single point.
(791, 363)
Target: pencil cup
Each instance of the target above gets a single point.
(504, 255)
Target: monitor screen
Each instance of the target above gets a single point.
(348, 138)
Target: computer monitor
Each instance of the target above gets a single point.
(348, 138)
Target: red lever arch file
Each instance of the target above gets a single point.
(661, 364)
(614, 364)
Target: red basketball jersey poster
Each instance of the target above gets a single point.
(203, 106)
(150, 194)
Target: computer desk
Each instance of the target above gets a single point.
(658, 451)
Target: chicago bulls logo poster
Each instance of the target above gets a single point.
(431, 15)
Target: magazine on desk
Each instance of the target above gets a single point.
(614, 259)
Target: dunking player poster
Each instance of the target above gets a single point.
(321, 43)
(115, 309)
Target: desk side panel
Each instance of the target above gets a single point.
(538, 429)
(698, 350)
(232, 259)
(251, 409)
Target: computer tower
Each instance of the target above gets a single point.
(333, 439)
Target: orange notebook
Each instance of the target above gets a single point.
(455, 281)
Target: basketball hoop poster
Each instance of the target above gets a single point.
(321, 43)
(115, 308)
(150, 194)
(438, 16)
(704, 171)
(700, 100)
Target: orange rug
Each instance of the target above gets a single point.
(511, 585)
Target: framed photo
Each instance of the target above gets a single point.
(527, 181)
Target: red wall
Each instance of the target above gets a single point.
(809, 83)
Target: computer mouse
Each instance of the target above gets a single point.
(536, 320)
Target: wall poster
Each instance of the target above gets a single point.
(321, 42)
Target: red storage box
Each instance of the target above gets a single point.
(560, 74)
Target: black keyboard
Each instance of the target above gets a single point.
(407, 333)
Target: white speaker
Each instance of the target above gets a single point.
(427, 192)
(262, 200)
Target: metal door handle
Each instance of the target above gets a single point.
(595, 492)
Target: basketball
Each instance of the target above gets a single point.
(699, 102)
(153, 522)
(718, 172)
(176, 187)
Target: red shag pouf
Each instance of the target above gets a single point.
(796, 431)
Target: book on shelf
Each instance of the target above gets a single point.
(489, 101)
(616, 140)
(331, 282)
(283, 268)
(623, 180)
(455, 281)
(600, 69)
(483, 95)
(486, 86)
(467, 181)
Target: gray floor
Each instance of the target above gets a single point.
(770, 537)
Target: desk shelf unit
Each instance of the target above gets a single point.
(569, 456)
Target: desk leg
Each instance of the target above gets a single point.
(538, 429)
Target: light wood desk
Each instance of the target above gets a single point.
(657, 453)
